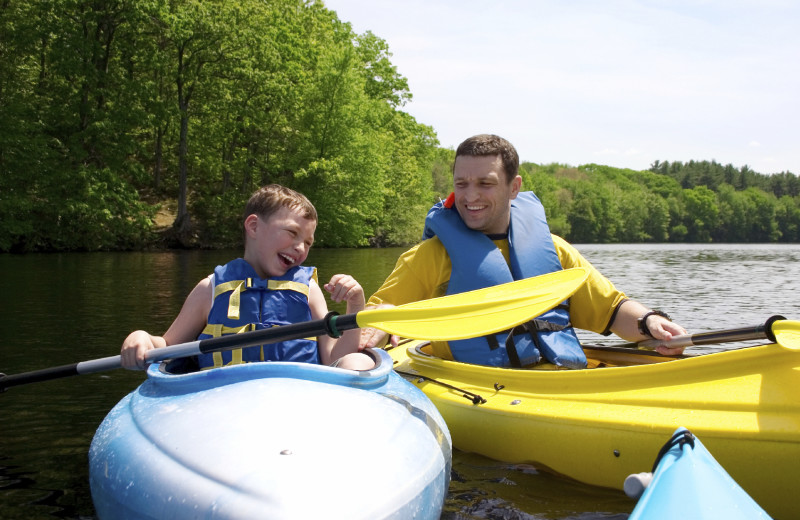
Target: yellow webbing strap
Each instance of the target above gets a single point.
(286, 285)
(236, 287)
(216, 330)
(236, 358)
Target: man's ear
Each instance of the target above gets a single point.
(516, 185)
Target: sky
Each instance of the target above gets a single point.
(616, 82)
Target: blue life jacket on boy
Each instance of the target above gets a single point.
(478, 263)
(244, 302)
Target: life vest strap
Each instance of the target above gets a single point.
(544, 326)
(511, 348)
(287, 285)
(236, 358)
(531, 327)
(217, 329)
(235, 287)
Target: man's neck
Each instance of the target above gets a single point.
(497, 236)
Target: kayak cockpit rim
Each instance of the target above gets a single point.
(599, 356)
(188, 365)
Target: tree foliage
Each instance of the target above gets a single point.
(594, 203)
(110, 107)
(114, 105)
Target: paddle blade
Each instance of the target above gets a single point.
(477, 313)
(787, 334)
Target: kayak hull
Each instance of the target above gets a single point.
(599, 425)
(272, 440)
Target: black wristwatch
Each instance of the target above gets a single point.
(642, 322)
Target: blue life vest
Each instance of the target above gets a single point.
(478, 263)
(243, 302)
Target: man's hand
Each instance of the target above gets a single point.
(663, 329)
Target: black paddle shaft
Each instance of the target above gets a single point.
(762, 331)
(331, 325)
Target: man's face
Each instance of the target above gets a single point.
(482, 194)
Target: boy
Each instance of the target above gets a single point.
(267, 287)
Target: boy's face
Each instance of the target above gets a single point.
(278, 243)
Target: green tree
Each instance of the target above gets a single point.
(733, 210)
(701, 213)
(111, 106)
(557, 200)
(75, 135)
(196, 36)
(763, 226)
(442, 172)
(408, 188)
(787, 216)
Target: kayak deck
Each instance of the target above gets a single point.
(272, 440)
(599, 425)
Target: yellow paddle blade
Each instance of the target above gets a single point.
(787, 334)
(476, 313)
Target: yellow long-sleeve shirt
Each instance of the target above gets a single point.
(423, 272)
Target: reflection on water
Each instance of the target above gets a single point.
(482, 488)
(705, 287)
(62, 308)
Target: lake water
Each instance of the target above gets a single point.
(61, 308)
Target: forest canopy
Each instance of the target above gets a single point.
(112, 109)
(698, 201)
(111, 106)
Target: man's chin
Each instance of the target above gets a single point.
(474, 225)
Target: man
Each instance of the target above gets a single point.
(488, 232)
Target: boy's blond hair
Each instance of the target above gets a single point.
(270, 198)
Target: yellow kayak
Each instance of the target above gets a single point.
(601, 424)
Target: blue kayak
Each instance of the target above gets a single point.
(271, 440)
(688, 483)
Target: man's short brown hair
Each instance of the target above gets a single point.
(490, 144)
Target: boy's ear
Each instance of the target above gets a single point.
(251, 224)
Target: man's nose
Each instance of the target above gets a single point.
(470, 194)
